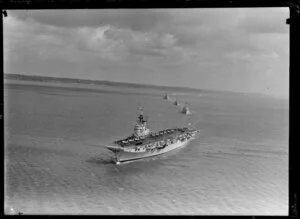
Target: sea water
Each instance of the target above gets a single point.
(56, 162)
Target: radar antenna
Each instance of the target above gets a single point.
(141, 115)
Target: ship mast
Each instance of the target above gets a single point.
(141, 119)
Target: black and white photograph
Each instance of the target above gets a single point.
(153, 111)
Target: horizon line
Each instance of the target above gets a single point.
(139, 85)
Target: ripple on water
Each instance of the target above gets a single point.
(54, 163)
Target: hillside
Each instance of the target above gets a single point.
(96, 82)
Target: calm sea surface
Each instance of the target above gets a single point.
(55, 161)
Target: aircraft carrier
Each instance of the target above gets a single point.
(144, 143)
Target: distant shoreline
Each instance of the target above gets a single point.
(97, 82)
(164, 89)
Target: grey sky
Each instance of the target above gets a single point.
(223, 49)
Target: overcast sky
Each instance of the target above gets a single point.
(233, 49)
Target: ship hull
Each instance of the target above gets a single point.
(124, 156)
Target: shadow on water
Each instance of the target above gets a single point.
(123, 173)
(145, 163)
(101, 159)
(108, 159)
(142, 165)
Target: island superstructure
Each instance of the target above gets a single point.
(144, 143)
